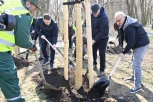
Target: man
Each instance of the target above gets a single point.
(47, 28)
(100, 29)
(8, 75)
(136, 38)
(70, 31)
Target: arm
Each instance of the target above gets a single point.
(131, 36)
(55, 33)
(37, 28)
(104, 27)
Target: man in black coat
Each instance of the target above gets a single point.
(47, 28)
(100, 30)
(133, 33)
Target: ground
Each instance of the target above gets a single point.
(33, 91)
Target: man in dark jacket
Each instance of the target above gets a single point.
(100, 29)
(70, 31)
(136, 38)
(47, 28)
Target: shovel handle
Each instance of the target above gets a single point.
(58, 52)
(40, 70)
(54, 49)
(114, 68)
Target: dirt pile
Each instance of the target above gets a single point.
(21, 63)
(68, 93)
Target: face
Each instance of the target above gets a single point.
(96, 14)
(32, 8)
(120, 20)
(70, 21)
(47, 22)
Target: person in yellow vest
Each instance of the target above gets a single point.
(19, 35)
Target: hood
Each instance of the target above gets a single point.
(102, 12)
(129, 21)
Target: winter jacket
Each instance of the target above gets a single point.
(50, 31)
(100, 25)
(133, 34)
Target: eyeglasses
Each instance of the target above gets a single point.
(119, 20)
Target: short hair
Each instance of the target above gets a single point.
(122, 14)
(47, 16)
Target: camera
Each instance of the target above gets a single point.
(7, 22)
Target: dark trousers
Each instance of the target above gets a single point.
(44, 50)
(101, 45)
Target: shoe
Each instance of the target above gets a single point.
(133, 90)
(40, 58)
(100, 74)
(95, 68)
(45, 62)
(130, 78)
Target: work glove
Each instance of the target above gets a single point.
(34, 48)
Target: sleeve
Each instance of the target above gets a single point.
(37, 28)
(55, 33)
(130, 34)
(22, 31)
(104, 27)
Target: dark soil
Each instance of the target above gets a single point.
(68, 93)
(21, 63)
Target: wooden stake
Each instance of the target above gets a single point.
(78, 73)
(89, 43)
(66, 44)
(16, 52)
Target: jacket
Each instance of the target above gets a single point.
(100, 25)
(133, 34)
(49, 31)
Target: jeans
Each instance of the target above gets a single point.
(101, 45)
(138, 55)
(44, 50)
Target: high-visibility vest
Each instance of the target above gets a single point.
(7, 39)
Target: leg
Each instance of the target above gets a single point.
(52, 56)
(94, 51)
(102, 45)
(43, 48)
(9, 82)
(138, 55)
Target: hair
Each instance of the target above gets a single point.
(122, 14)
(46, 16)
(115, 26)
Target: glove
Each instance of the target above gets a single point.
(34, 48)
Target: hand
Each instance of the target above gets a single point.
(54, 46)
(34, 41)
(33, 49)
(43, 37)
(121, 55)
(93, 42)
(33, 31)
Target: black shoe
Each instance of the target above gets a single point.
(40, 58)
(95, 67)
(45, 62)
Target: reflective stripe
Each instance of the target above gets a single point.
(15, 98)
(2, 41)
(17, 8)
(10, 32)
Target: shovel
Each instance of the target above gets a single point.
(71, 65)
(43, 77)
(101, 85)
